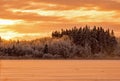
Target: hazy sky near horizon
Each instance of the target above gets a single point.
(29, 19)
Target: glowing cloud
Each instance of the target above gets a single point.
(9, 22)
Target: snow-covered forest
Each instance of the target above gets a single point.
(75, 43)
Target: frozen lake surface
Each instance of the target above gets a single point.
(59, 70)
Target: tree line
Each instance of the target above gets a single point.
(75, 43)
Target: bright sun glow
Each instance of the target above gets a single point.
(8, 22)
(8, 35)
(11, 35)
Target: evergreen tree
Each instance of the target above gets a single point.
(46, 49)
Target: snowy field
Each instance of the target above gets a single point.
(59, 70)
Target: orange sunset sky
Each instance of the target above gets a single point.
(30, 19)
